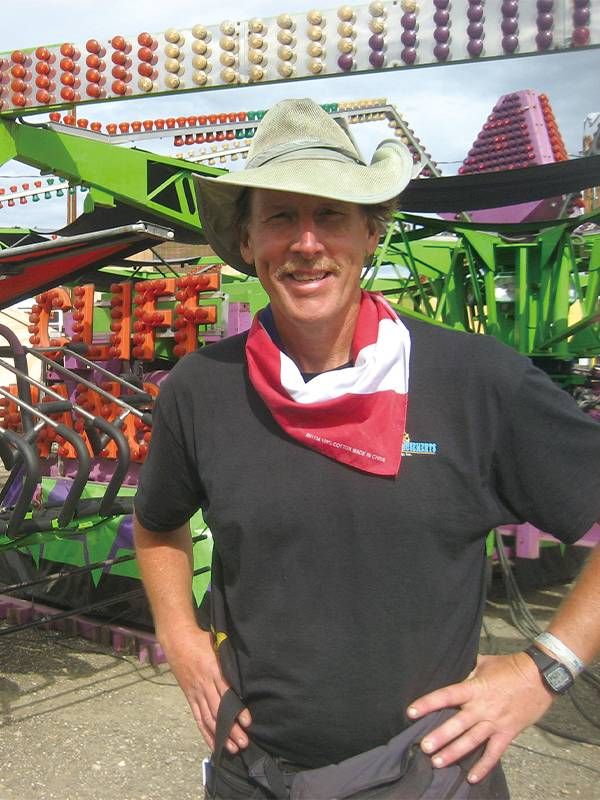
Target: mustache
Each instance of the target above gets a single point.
(323, 265)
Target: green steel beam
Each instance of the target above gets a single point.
(156, 184)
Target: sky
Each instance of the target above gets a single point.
(445, 105)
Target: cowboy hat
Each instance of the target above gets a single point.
(298, 147)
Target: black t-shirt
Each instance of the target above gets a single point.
(352, 594)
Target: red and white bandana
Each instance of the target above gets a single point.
(357, 414)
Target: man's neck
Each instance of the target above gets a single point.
(317, 348)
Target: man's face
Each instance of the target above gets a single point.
(308, 254)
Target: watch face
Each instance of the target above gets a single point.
(558, 677)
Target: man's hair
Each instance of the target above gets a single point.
(379, 215)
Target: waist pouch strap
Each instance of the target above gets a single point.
(260, 765)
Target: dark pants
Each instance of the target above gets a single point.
(231, 782)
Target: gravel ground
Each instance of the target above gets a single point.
(79, 722)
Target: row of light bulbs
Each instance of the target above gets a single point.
(50, 76)
(65, 80)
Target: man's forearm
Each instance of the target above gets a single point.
(577, 622)
(166, 566)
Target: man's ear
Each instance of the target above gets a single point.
(246, 249)
(374, 237)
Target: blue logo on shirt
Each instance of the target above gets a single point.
(418, 448)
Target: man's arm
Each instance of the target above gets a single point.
(166, 566)
(505, 694)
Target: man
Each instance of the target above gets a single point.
(353, 575)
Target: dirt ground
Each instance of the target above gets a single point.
(79, 723)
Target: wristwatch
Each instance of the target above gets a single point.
(554, 674)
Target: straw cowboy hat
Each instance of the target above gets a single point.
(299, 147)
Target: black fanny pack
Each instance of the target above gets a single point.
(397, 770)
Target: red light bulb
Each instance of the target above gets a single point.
(145, 39)
(145, 54)
(146, 70)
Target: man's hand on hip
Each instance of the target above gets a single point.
(500, 698)
(193, 662)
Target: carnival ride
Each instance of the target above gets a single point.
(506, 259)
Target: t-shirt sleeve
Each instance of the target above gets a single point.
(547, 459)
(169, 487)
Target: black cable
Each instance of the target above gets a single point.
(75, 531)
(83, 609)
(72, 612)
(492, 642)
(108, 562)
(55, 576)
(584, 713)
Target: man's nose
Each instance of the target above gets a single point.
(308, 243)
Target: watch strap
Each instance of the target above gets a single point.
(563, 653)
(542, 660)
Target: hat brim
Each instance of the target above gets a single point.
(388, 174)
